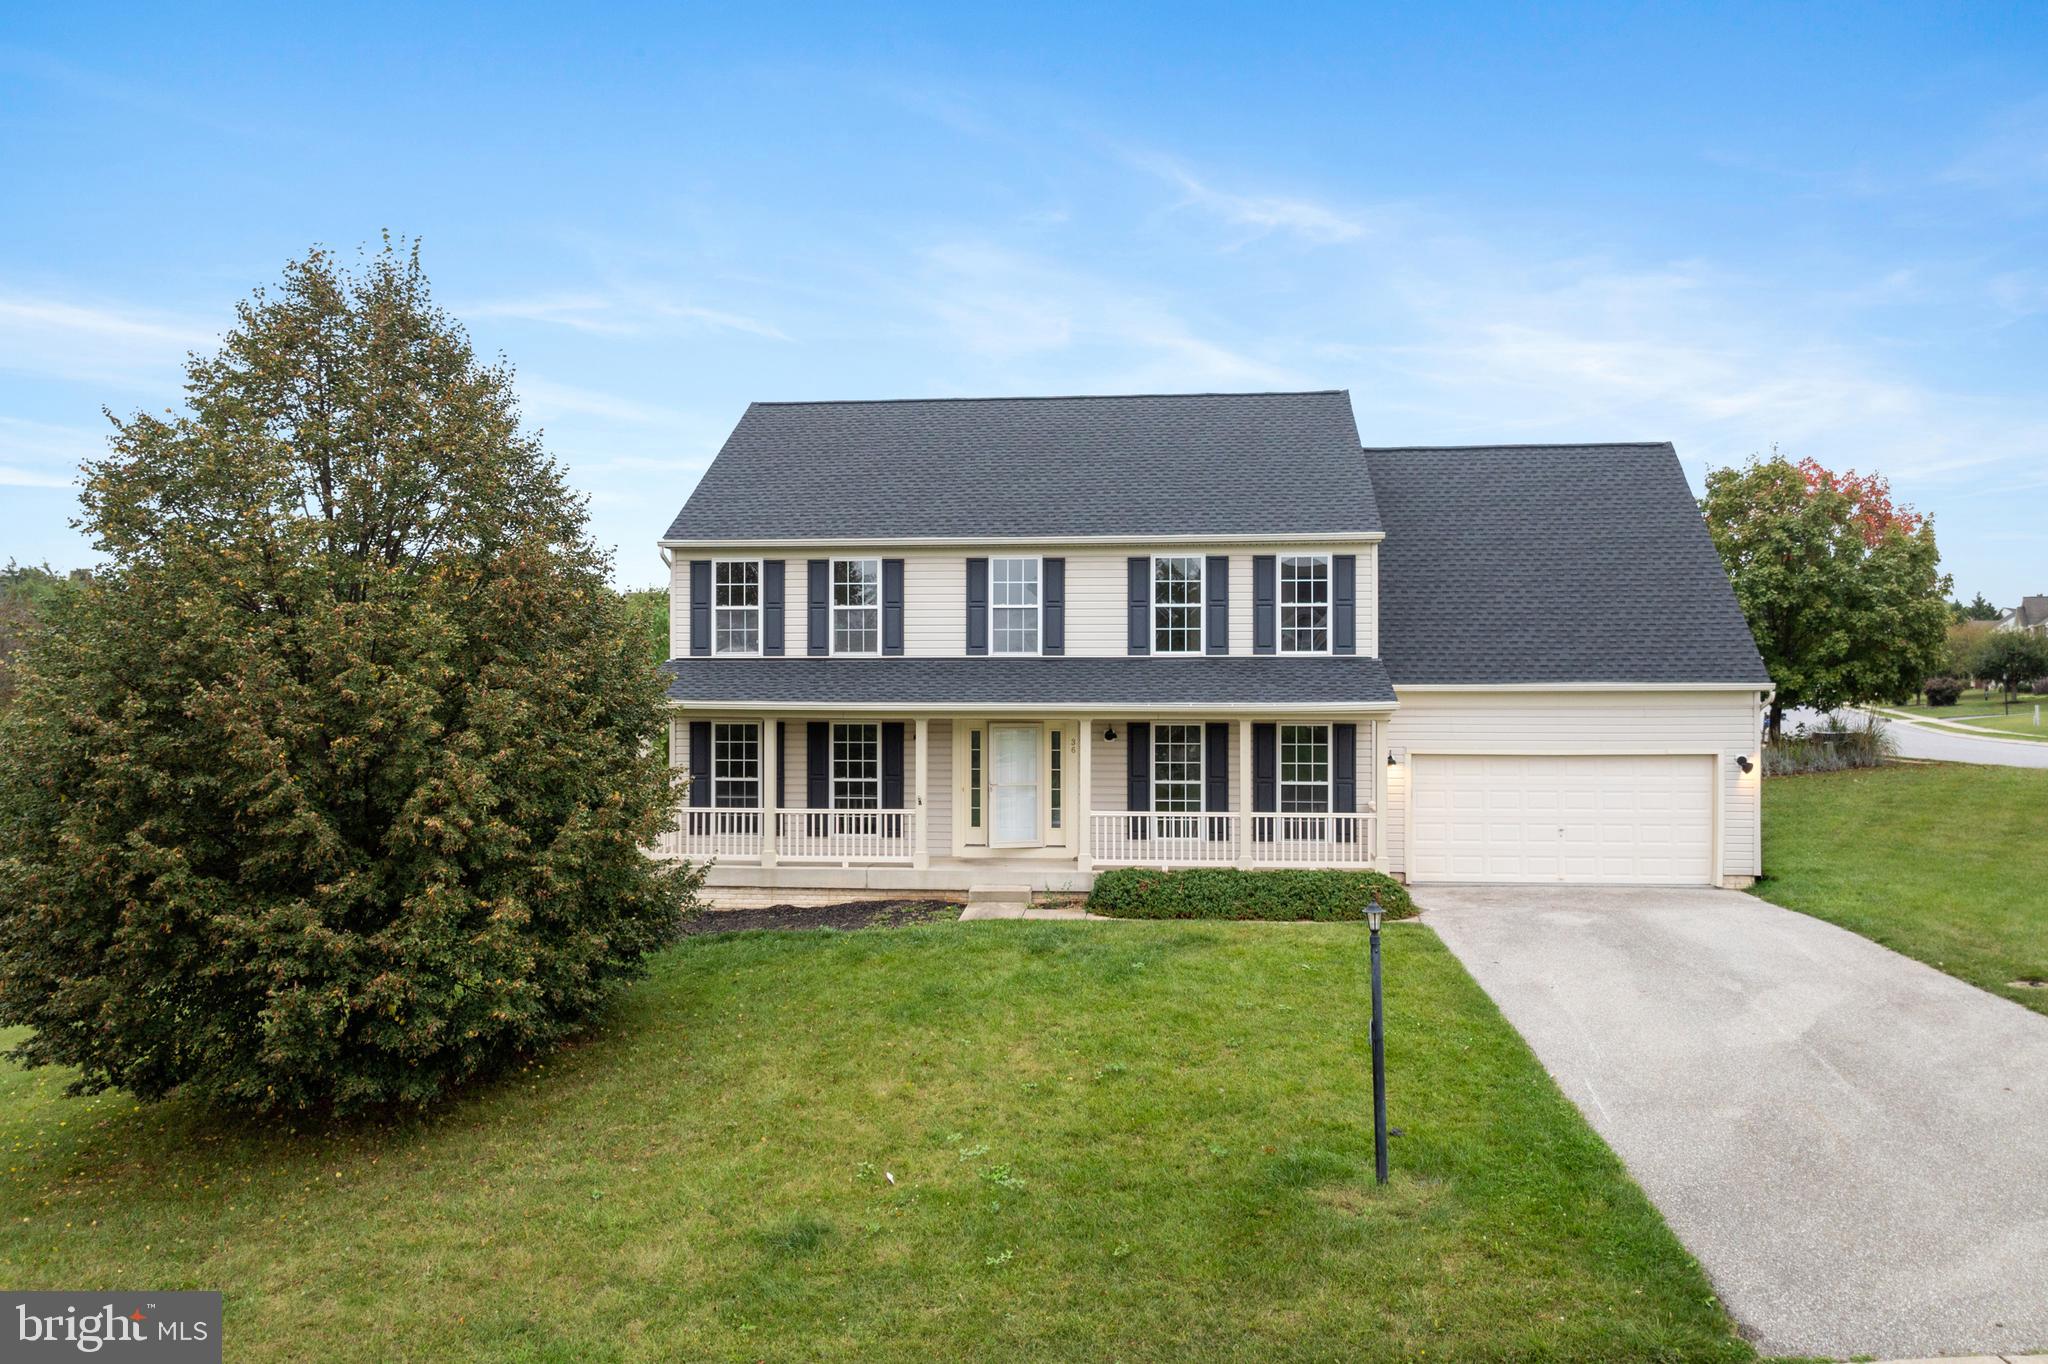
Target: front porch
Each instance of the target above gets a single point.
(1037, 802)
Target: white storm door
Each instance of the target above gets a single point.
(1013, 786)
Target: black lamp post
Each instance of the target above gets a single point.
(1373, 915)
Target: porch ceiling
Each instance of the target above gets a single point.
(1038, 684)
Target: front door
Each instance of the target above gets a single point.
(1013, 786)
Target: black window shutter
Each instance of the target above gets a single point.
(771, 607)
(892, 606)
(1052, 592)
(1344, 778)
(977, 606)
(781, 766)
(819, 642)
(1265, 604)
(1216, 591)
(1141, 607)
(1138, 766)
(700, 607)
(1344, 604)
(818, 764)
(1265, 768)
(700, 764)
(1217, 775)
(892, 765)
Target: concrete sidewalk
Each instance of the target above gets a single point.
(1854, 1145)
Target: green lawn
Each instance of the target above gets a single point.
(1943, 862)
(2018, 725)
(1973, 702)
(1107, 1141)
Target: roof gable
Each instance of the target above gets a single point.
(1528, 564)
(1083, 467)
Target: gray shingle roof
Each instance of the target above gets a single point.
(968, 682)
(1551, 563)
(1178, 464)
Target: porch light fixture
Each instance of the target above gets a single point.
(1390, 758)
(1373, 914)
(1742, 761)
(1109, 734)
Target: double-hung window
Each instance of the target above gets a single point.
(856, 606)
(736, 606)
(1177, 779)
(1177, 604)
(1013, 604)
(1304, 778)
(856, 767)
(1305, 604)
(736, 776)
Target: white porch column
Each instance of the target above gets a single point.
(921, 853)
(1244, 792)
(770, 752)
(1084, 798)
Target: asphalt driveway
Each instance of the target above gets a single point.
(1853, 1144)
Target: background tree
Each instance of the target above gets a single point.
(1976, 609)
(330, 790)
(647, 614)
(24, 588)
(2010, 657)
(1841, 586)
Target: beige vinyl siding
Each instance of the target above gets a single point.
(938, 777)
(1719, 723)
(935, 595)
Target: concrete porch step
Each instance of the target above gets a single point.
(998, 895)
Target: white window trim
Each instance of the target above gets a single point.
(832, 614)
(1037, 634)
(759, 608)
(760, 777)
(836, 779)
(1201, 609)
(1201, 766)
(1329, 781)
(1280, 606)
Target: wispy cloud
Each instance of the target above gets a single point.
(1297, 216)
(624, 313)
(95, 342)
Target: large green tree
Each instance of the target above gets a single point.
(330, 790)
(2010, 658)
(1841, 586)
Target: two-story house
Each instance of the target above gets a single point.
(939, 644)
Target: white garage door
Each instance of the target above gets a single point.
(1625, 820)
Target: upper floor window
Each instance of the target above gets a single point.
(1177, 604)
(1013, 603)
(736, 606)
(856, 606)
(1304, 768)
(1305, 604)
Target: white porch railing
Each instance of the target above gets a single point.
(1139, 838)
(800, 836)
(707, 835)
(845, 835)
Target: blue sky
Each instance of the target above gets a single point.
(1824, 228)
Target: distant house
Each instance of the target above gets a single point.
(2030, 615)
(938, 644)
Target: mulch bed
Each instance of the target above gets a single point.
(851, 915)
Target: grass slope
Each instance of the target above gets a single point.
(1943, 862)
(1108, 1141)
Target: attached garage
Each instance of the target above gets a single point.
(1621, 819)
(1618, 820)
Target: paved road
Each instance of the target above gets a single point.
(1853, 1144)
(1923, 741)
